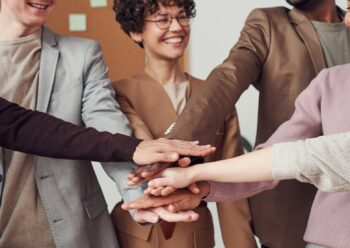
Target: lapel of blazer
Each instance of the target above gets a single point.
(309, 35)
(48, 65)
(156, 108)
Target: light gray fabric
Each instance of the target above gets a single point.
(334, 39)
(322, 161)
(74, 86)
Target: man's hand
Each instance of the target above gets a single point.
(168, 150)
(178, 201)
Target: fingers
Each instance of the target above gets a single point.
(143, 173)
(183, 147)
(175, 207)
(166, 150)
(160, 191)
(187, 216)
(159, 182)
(164, 157)
(184, 162)
(185, 204)
(149, 202)
(149, 174)
(167, 191)
(142, 204)
(156, 191)
(145, 216)
(194, 188)
(134, 180)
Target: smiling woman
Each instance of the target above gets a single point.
(153, 99)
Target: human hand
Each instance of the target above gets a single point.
(171, 177)
(145, 216)
(179, 216)
(168, 150)
(154, 215)
(135, 178)
(181, 200)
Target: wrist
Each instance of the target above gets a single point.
(192, 174)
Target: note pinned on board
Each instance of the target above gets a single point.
(77, 22)
(98, 3)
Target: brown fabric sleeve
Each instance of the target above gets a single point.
(41, 134)
(140, 130)
(213, 102)
(234, 216)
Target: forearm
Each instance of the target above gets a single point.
(251, 167)
(41, 134)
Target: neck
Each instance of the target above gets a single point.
(11, 30)
(322, 11)
(165, 72)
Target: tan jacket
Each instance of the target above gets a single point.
(279, 53)
(150, 112)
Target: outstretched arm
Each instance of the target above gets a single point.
(41, 134)
(322, 161)
(44, 135)
(252, 167)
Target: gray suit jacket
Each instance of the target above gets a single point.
(74, 86)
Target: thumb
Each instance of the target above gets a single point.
(194, 188)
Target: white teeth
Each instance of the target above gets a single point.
(175, 40)
(38, 6)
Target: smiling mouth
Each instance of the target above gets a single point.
(39, 6)
(172, 41)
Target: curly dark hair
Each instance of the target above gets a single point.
(131, 13)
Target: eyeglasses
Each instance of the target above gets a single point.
(163, 20)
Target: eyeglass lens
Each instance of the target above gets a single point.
(164, 19)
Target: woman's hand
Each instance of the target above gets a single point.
(173, 177)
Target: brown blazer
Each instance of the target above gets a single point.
(279, 53)
(150, 112)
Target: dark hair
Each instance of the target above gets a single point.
(131, 13)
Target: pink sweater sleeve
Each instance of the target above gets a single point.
(304, 123)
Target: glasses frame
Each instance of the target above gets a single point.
(157, 22)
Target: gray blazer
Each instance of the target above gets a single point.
(74, 86)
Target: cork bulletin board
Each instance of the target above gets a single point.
(95, 19)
